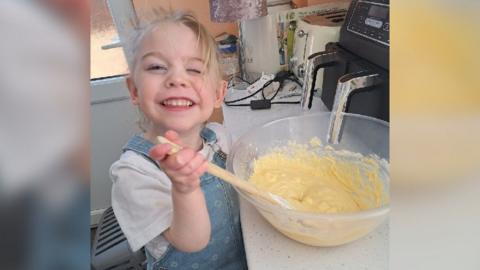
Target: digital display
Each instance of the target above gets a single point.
(379, 12)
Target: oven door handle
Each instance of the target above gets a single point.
(314, 62)
(346, 85)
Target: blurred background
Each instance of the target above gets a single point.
(435, 131)
(45, 115)
(44, 134)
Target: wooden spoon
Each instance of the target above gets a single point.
(234, 180)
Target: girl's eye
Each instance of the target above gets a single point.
(195, 71)
(157, 67)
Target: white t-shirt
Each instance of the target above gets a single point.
(141, 196)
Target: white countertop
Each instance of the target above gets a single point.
(266, 248)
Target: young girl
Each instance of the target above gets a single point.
(185, 218)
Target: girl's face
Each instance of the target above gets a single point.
(170, 83)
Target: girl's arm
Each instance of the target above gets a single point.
(190, 228)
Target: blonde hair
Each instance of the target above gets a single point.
(184, 17)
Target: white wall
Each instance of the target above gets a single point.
(112, 124)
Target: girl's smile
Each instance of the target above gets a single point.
(177, 103)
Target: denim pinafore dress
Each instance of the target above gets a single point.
(225, 250)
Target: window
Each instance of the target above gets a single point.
(104, 62)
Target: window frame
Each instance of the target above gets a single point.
(122, 13)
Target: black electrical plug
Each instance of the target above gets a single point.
(281, 76)
(260, 104)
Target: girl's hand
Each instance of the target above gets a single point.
(190, 228)
(184, 167)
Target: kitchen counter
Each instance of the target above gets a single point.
(266, 248)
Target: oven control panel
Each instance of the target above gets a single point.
(370, 19)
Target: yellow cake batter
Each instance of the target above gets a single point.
(324, 180)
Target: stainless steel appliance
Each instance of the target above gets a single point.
(362, 52)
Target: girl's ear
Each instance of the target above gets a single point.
(221, 91)
(132, 89)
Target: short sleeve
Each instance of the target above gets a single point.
(141, 199)
(224, 139)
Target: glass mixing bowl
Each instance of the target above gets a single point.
(359, 134)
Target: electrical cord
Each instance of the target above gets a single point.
(285, 102)
(280, 77)
(249, 96)
(239, 105)
(290, 77)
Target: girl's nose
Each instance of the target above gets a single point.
(176, 80)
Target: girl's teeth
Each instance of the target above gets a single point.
(177, 102)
